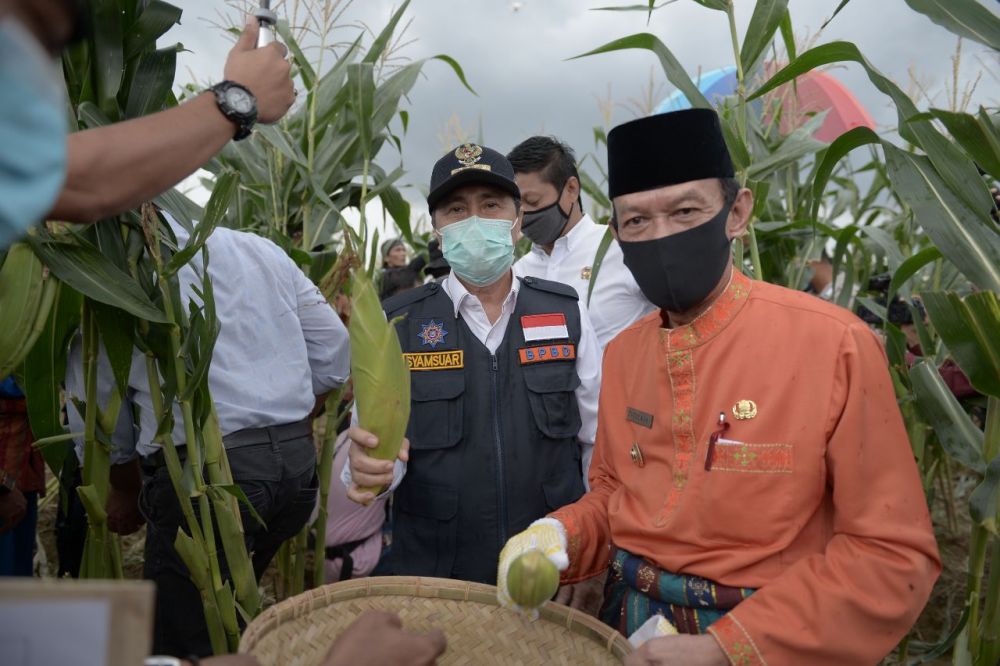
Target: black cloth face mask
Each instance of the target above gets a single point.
(678, 272)
(544, 226)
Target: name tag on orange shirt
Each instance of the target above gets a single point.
(639, 417)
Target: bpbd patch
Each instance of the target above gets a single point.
(546, 353)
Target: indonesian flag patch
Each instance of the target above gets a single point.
(544, 327)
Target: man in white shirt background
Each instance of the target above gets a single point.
(280, 349)
(565, 240)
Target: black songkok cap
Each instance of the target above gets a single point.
(666, 149)
(471, 163)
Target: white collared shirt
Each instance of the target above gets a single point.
(616, 301)
(280, 344)
(588, 354)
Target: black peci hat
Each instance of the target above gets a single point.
(666, 149)
(471, 163)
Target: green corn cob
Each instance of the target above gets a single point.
(379, 372)
(22, 289)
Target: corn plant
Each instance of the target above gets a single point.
(120, 285)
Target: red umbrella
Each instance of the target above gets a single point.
(814, 93)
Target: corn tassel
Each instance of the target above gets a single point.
(379, 372)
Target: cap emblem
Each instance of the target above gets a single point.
(468, 154)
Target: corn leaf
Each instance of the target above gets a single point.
(379, 372)
(381, 42)
(156, 18)
(107, 54)
(672, 68)
(966, 18)
(910, 267)
(985, 498)
(958, 434)
(788, 35)
(836, 11)
(91, 273)
(149, 91)
(956, 229)
(602, 249)
(828, 159)
(767, 16)
(306, 71)
(976, 134)
(44, 372)
(969, 329)
(361, 84)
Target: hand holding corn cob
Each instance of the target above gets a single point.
(524, 580)
(368, 472)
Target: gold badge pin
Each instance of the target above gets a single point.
(468, 154)
(585, 273)
(636, 454)
(744, 410)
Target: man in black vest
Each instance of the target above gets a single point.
(504, 379)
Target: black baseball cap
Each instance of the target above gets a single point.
(470, 163)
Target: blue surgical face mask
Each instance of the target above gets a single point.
(479, 250)
(32, 131)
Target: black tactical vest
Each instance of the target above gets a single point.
(493, 437)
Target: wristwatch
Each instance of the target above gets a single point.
(238, 105)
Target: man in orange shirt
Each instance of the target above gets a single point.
(752, 481)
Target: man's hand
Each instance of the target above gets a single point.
(585, 596)
(368, 472)
(546, 535)
(124, 516)
(13, 506)
(681, 650)
(377, 639)
(264, 72)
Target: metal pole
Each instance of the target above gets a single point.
(268, 19)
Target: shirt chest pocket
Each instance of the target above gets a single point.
(551, 395)
(436, 409)
(757, 492)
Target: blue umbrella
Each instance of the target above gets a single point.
(714, 85)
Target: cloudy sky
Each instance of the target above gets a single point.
(516, 56)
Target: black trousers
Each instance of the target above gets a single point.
(279, 480)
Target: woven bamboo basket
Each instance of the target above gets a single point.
(300, 630)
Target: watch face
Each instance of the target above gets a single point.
(239, 101)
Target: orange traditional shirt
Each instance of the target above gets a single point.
(812, 494)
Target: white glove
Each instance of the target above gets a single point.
(546, 535)
(655, 627)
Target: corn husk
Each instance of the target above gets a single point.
(379, 372)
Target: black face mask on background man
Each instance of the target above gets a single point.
(678, 272)
(545, 225)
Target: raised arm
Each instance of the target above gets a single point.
(117, 167)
